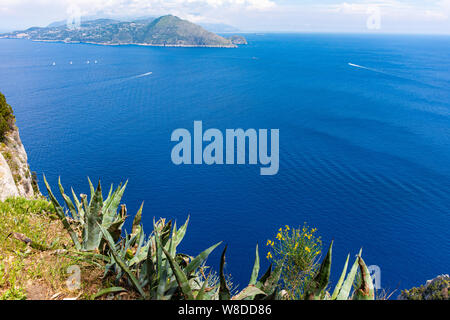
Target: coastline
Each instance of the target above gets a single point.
(232, 46)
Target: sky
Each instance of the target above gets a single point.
(357, 16)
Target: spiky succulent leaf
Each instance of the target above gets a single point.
(270, 285)
(250, 292)
(94, 218)
(120, 262)
(180, 233)
(60, 212)
(137, 221)
(202, 291)
(341, 279)
(264, 277)
(108, 291)
(321, 279)
(366, 290)
(255, 271)
(69, 203)
(111, 205)
(344, 293)
(183, 282)
(224, 291)
(79, 207)
(91, 187)
(199, 260)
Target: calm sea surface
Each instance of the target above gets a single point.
(364, 151)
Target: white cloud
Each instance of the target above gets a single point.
(277, 15)
(428, 10)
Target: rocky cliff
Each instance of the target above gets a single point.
(16, 178)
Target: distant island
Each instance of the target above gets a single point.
(167, 30)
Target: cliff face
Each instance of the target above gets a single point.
(8, 188)
(15, 176)
(13, 154)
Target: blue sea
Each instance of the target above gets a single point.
(364, 139)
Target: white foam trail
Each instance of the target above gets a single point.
(358, 66)
(370, 69)
(143, 75)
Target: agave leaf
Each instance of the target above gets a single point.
(271, 284)
(164, 275)
(158, 256)
(68, 202)
(224, 291)
(137, 220)
(107, 291)
(180, 276)
(60, 212)
(94, 218)
(151, 272)
(109, 193)
(111, 206)
(264, 277)
(322, 278)
(249, 292)
(79, 207)
(141, 254)
(198, 261)
(165, 233)
(86, 215)
(366, 290)
(255, 272)
(202, 291)
(140, 246)
(115, 229)
(341, 280)
(179, 235)
(91, 187)
(344, 293)
(120, 262)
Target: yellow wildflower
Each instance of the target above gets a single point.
(269, 255)
(307, 249)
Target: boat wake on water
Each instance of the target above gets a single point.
(143, 75)
(365, 68)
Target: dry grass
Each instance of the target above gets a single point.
(39, 270)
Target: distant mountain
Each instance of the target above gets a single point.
(163, 31)
(219, 27)
(85, 22)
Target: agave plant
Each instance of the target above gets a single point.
(147, 265)
(263, 289)
(90, 215)
(365, 291)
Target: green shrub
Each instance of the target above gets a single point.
(300, 250)
(7, 118)
(436, 289)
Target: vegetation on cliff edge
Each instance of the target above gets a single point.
(7, 118)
